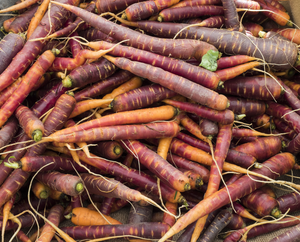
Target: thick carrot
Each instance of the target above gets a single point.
(86, 217)
(31, 125)
(159, 166)
(66, 183)
(236, 222)
(105, 86)
(196, 3)
(40, 190)
(290, 235)
(10, 45)
(221, 116)
(140, 97)
(232, 21)
(33, 48)
(208, 128)
(8, 131)
(39, 14)
(280, 164)
(24, 88)
(130, 117)
(197, 74)
(111, 150)
(7, 23)
(250, 107)
(148, 230)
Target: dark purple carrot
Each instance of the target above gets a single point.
(290, 97)
(250, 107)
(262, 204)
(224, 117)
(66, 183)
(104, 86)
(111, 150)
(293, 85)
(211, 22)
(280, 163)
(104, 6)
(143, 230)
(194, 73)
(10, 45)
(286, 114)
(236, 222)
(235, 157)
(284, 128)
(21, 22)
(8, 131)
(191, 3)
(164, 47)
(291, 235)
(294, 145)
(208, 127)
(140, 214)
(173, 82)
(179, 13)
(221, 220)
(93, 34)
(75, 46)
(242, 45)
(261, 88)
(231, 61)
(262, 148)
(30, 123)
(33, 48)
(140, 97)
(232, 21)
(160, 167)
(6, 24)
(289, 201)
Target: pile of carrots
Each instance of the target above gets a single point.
(185, 111)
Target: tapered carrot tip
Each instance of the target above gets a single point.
(67, 82)
(37, 135)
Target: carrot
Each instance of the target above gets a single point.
(167, 218)
(253, 28)
(6, 24)
(8, 131)
(33, 48)
(195, 179)
(140, 97)
(22, 237)
(10, 45)
(232, 21)
(159, 166)
(196, 3)
(284, 128)
(130, 117)
(231, 61)
(93, 34)
(111, 150)
(290, 235)
(229, 73)
(248, 4)
(86, 105)
(19, 6)
(31, 125)
(6, 212)
(86, 217)
(54, 216)
(208, 128)
(66, 183)
(31, 77)
(243, 212)
(40, 190)
(262, 204)
(57, 195)
(105, 86)
(39, 14)
(144, 230)
(222, 116)
(292, 85)
(236, 222)
(116, 6)
(250, 107)
(280, 163)
(211, 22)
(144, 10)
(179, 13)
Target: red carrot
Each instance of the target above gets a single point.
(8, 131)
(211, 22)
(31, 125)
(280, 163)
(236, 222)
(230, 61)
(111, 150)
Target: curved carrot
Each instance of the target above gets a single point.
(39, 14)
(19, 6)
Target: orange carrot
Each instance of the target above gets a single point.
(19, 6)
(40, 190)
(39, 14)
(6, 212)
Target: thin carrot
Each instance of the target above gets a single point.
(19, 6)
(5, 213)
(39, 14)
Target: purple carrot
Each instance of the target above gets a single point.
(208, 127)
(89, 73)
(104, 6)
(232, 21)
(236, 222)
(111, 150)
(178, 67)
(261, 88)
(291, 235)
(144, 230)
(66, 183)
(262, 148)
(140, 214)
(250, 107)
(231, 61)
(10, 45)
(8, 131)
(104, 86)
(282, 127)
(93, 34)
(21, 22)
(235, 157)
(212, 22)
(179, 13)
(33, 48)
(263, 121)
(289, 201)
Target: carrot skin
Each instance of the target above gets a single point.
(236, 222)
(114, 7)
(8, 131)
(291, 235)
(250, 107)
(104, 86)
(159, 166)
(140, 97)
(235, 157)
(10, 45)
(66, 183)
(282, 127)
(196, 3)
(111, 150)
(208, 127)
(178, 67)
(280, 163)
(23, 59)
(232, 21)
(93, 34)
(231, 61)
(262, 149)
(146, 230)
(140, 214)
